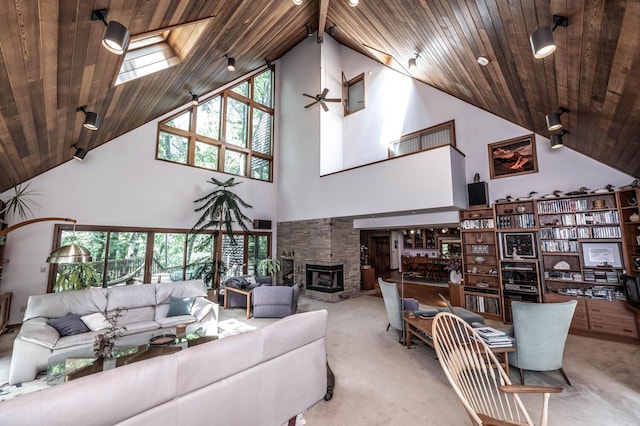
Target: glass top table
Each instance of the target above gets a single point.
(80, 362)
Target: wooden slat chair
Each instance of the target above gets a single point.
(477, 377)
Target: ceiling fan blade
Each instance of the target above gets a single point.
(324, 106)
(311, 104)
(309, 96)
(324, 92)
(333, 100)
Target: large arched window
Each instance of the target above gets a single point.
(231, 132)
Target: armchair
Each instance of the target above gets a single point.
(275, 301)
(394, 305)
(540, 331)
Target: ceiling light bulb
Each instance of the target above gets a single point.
(542, 42)
(353, 3)
(483, 61)
(297, 2)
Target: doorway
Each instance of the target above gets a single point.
(378, 244)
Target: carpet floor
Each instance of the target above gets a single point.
(380, 382)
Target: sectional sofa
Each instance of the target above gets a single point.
(145, 310)
(260, 377)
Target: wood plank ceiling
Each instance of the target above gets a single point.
(51, 62)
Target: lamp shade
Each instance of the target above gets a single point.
(91, 120)
(556, 140)
(116, 38)
(72, 253)
(553, 121)
(542, 42)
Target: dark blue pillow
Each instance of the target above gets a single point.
(68, 325)
(179, 306)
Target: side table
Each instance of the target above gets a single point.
(246, 293)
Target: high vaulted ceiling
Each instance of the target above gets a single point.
(52, 62)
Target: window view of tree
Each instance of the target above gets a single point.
(233, 129)
(173, 148)
(175, 256)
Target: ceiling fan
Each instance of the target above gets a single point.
(321, 99)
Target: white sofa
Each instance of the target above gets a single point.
(144, 313)
(260, 377)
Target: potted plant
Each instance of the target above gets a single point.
(76, 276)
(454, 266)
(220, 209)
(269, 266)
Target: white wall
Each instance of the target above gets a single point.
(118, 183)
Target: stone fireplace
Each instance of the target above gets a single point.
(328, 279)
(322, 256)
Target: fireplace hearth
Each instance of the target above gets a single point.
(327, 279)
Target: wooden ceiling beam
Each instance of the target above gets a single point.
(323, 8)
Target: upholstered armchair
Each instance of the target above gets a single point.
(540, 331)
(244, 282)
(275, 301)
(394, 305)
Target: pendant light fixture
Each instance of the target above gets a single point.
(91, 119)
(553, 119)
(556, 139)
(231, 62)
(71, 253)
(116, 37)
(542, 42)
(80, 152)
(195, 99)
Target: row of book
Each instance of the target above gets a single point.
(596, 218)
(559, 206)
(591, 275)
(494, 338)
(562, 233)
(526, 220)
(490, 305)
(477, 224)
(600, 232)
(559, 246)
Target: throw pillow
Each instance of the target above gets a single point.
(95, 321)
(179, 306)
(251, 279)
(68, 325)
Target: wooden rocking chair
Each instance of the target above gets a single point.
(478, 378)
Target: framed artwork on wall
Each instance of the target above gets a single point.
(513, 157)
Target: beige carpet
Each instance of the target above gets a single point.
(380, 382)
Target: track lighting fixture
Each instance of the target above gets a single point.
(91, 119)
(412, 62)
(332, 30)
(353, 3)
(269, 63)
(309, 30)
(542, 42)
(80, 152)
(553, 119)
(194, 98)
(231, 62)
(116, 37)
(556, 139)
(297, 2)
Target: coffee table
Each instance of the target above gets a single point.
(422, 329)
(81, 362)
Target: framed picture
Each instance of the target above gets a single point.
(601, 254)
(523, 242)
(513, 157)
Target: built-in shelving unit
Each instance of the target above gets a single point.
(5, 298)
(482, 293)
(630, 221)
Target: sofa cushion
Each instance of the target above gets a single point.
(179, 306)
(132, 296)
(56, 305)
(201, 308)
(175, 320)
(192, 288)
(95, 321)
(76, 340)
(37, 331)
(68, 325)
(133, 315)
(140, 327)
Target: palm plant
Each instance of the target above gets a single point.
(18, 205)
(269, 266)
(220, 209)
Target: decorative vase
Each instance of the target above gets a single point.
(634, 217)
(455, 277)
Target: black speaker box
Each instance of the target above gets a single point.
(261, 224)
(478, 193)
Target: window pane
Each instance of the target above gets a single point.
(261, 132)
(262, 88)
(173, 147)
(235, 162)
(181, 122)
(258, 248)
(236, 133)
(260, 168)
(206, 155)
(199, 257)
(126, 258)
(168, 257)
(233, 255)
(242, 89)
(208, 118)
(74, 276)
